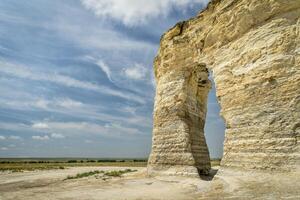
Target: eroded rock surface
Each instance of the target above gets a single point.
(253, 50)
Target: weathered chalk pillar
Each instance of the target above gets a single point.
(253, 49)
(179, 145)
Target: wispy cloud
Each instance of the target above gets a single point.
(135, 12)
(88, 141)
(12, 126)
(27, 73)
(14, 137)
(127, 75)
(40, 103)
(32, 103)
(68, 103)
(98, 38)
(105, 69)
(40, 125)
(101, 64)
(6, 17)
(69, 108)
(42, 138)
(87, 128)
(137, 72)
(54, 129)
(57, 136)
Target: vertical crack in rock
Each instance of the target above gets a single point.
(252, 48)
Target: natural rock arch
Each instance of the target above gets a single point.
(253, 50)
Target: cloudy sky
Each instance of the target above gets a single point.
(76, 76)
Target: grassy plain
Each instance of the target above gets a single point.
(31, 164)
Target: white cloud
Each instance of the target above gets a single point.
(4, 148)
(135, 12)
(2, 137)
(122, 77)
(42, 138)
(32, 103)
(92, 112)
(68, 103)
(128, 109)
(2, 47)
(87, 128)
(90, 37)
(137, 72)
(27, 73)
(101, 64)
(40, 125)
(57, 136)
(72, 26)
(112, 130)
(15, 126)
(14, 137)
(42, 103)
(105, 69)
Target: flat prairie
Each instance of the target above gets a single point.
(133, 183)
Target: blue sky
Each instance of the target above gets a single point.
(76, 76)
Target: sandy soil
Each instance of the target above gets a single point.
(44, 185)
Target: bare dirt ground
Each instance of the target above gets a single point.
(52, 184)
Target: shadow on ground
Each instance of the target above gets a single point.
(210, 176)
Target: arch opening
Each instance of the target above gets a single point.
(214, 130)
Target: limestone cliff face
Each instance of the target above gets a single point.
(253, 49)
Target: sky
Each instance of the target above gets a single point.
(76, 76)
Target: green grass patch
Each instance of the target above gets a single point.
(114, 173)
(85, 174)
(19, 166)
(215, 162)
(118, 173)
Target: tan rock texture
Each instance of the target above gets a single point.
(252, 48)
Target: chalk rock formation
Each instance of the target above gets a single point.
(253, 50)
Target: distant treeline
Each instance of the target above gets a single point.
(109, 160)
(81, 161)
(71, 161)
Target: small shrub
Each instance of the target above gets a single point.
(113, 173)
(85, 174)
(118, 173)
(108, 173)
(72, 161)
(106, 161)
(139, 160)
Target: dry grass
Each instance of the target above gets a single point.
(115, 173)
(215, 162)
(118, 173)
(31, 166)
(23, 165)
(85, 174)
